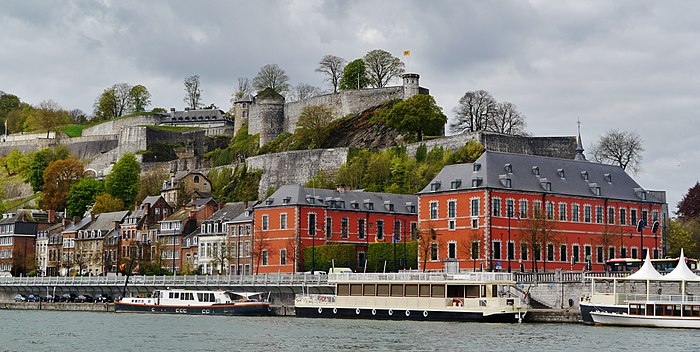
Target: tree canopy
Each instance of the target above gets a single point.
(48, 116)
(622, 148)
(105, 203)
(418, 114)
(193, 92)
(59, 176)
(82, 195)
(332, 66)
(273, 77)
(139, 98)
(313, 124)
(382, 67)
(354, 76)
(689, 206)
(123, 182)
(479, 111)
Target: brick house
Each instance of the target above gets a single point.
(486, 214)
(187, 181)
(18, 232)
(240, 232)
(295, 217)
(92, 257)
(136, 230)
(216, 248)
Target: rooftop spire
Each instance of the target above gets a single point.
(579, 145)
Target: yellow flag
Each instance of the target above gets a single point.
(406, 53)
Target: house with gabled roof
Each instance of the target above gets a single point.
(217, 249)
(94, 244)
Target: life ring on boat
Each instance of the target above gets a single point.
(321, 298)
(425, 314)
(357, 311)
(408, 313)
(320, 310)
(374, 312)
(391, 312)
(335, 310)
(269, 308)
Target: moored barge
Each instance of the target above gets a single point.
(196, 302)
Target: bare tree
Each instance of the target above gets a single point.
(48, 115)
(260, 245)
(193, 92)
(426, 237)
(244, 87)
(507, 119)
(382, 67)
(273, 77)
(474, 111)
(313, 124)
(304, 91)
(622, 148)
(538, 232)
(333, 67)
(77, 116)
(225, 254)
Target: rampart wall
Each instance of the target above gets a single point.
(115, 126)
(82, 147)
(556, 147)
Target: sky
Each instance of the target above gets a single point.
(626, 65)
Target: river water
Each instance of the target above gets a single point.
(89, 331)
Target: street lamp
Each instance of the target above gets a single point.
(640, 228)
(510, 215)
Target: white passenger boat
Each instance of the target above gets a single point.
(483, 297)
(195, 302)
(681, 310)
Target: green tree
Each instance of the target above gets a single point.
(193, 92)
(273, 77)
(139, 98)
(382, 67)
(15, 162)
(354, 76)
(418, 114)
(113, 102)
(8, 102)
(684, 235)
(467, 153)
(82, 194)
(151, 182)
(38, 163)
(105, 203)
(17, 118)
(47, 116)
(123, 181)
(313, 124)
(59, 176)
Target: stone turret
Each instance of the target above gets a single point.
(241, 111)
(270, 115)
(411, 86)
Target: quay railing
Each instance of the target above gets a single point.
(421, 276)
(170, 280)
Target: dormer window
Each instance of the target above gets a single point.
(476, 182)
(546, 185)
(594, 188)
(509, 168)
(584, 175)
(368, 205)
(560, 173)
(505, 181)
(410, 207)
(455, 183)
(269, 201)
(435, 186)
(476, 167)
(536, 170)
(286, 200)
(310, 200)
(354, 205)
(608, 178)
(388, 206)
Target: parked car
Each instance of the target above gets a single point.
(68, 297)
(85, 298)
(49, 298)
(33, 298)
(20, 298)
(103, 298)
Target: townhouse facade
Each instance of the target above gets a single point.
(240, 232)
(18, 232)
(94, 244)
(296, 217)
(217, 249)
(522, 212)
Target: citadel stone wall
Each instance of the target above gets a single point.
(295, 167)
(82, 147)
(115, 126)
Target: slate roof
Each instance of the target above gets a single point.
(179, 215)
(228, 211)
(203, 113)
(531, 173)
(245, 216)
(73, 227)
(247, 98)
(140, 211)
(347, 200)
(105, 221)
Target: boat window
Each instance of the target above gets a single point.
(424, 290)
(472, 291)
(343, 290)
(396, 290)
(382, 289)
(494, 290)
(455, 290)
(369, 289)
(483, 290)
(437, 291)
(356, 289)
(411, 290)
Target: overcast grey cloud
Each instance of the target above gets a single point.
(629, 65)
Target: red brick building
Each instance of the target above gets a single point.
(295, 217)
(524, 212)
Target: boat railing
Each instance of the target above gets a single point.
(420, 276)
(314, 299)
(661, 298)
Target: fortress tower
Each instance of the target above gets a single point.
(411, 86)
(270, 108)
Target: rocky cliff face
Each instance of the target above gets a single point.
(363, 131)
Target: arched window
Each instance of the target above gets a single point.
(196, 179)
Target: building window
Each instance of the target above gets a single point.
(312, 224)
(611, 215)
(283, 257)
(433, 251)
(329, 227)
(599, 254)
(586, 213)
(452, 250)
(496, 250)
(451, 209)
(537, 251)
(575, 213)
(523, 251)
(634, 252)
(283, 221)
(264, 257)
(633, 217)
(361, 259)
(611, 252)
(588, 253)
(196, 179)
(562, 253)
(598, 214)
(575, 253)
(397, 230)
(361, 228)
(645, 217)
(523, 208)
(265, 222)
(380, 230)
(623, 216)
(475, 207)
(654, 216)
(550, 210)
(623, 252)
(433, 210)
(344, 228)
(510, 207)
(451, 224)
(496, 210)
(562, 211)
(511, 250)
(475, 250)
